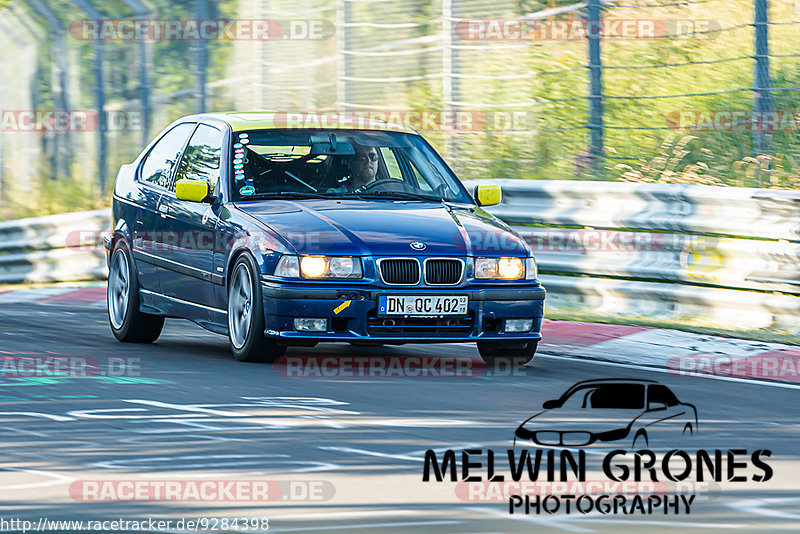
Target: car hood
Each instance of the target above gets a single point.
(595, 420)
(381, 227)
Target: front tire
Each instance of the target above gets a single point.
(639, 438)
(514, 354)
(122, 300)
(246, 316)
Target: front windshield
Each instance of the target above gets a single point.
(340, 164)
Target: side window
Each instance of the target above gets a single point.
(392, 166)
(417, 176)
(158, 164)
(618, 396)
(662, 394)
(201, 159)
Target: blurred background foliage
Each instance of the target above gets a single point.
(403, 55)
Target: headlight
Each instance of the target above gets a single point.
(510, 268)
(318, 267)
(313, 266)
(499, 269)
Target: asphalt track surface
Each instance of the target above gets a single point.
(185, 410)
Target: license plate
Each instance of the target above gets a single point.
(423, 305)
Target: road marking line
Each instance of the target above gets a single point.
(159, 431)
(184, 407)
(422, 423)
(91, 414)
(42, 415)
(59, 479)
(115, 464)
(372, 453)
(21, 431)
(389, 455)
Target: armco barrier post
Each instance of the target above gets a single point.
(593, 35)
(763, 89)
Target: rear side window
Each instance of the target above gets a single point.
(661, 393)
(201, 159)
(159, 163)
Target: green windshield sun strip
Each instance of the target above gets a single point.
(307, 138)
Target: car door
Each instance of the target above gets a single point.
(192, 225)
(667, 416)
(154, 176)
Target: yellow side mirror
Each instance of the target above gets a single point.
(488, 195)
(192, 190)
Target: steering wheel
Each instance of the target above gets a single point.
(284, 166)
(376, 183)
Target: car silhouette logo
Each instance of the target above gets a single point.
(418, 245)
(607, 410)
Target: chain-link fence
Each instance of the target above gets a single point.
(696, 91)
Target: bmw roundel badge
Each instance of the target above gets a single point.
(417, 245)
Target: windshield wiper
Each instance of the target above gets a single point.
(286, 195)
(400, 195)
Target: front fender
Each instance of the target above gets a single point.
(266, 260)
(245, 234)
(121, 231)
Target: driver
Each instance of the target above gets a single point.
(359, 170)
(363, 167)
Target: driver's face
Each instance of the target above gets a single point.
(364, 165)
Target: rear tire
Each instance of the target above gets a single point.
(122, 300)
(246, 316)
(507, 353)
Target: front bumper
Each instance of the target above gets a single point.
(358, 321)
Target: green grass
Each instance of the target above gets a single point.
(723, 158)
(711, 157)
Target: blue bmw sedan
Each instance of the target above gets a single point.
(277, 235)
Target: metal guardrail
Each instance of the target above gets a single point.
(724, 256)
(55, 248)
